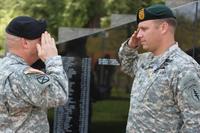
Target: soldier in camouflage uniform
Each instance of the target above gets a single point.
(26, 93)
(165, 96)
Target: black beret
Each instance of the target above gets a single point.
(156, 11)
(26, 27)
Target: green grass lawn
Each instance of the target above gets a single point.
(110, 115)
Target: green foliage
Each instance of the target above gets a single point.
(111, 114)
(67, 13)
(8, 10)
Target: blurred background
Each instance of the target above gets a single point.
(95, 29)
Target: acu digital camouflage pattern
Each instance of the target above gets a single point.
(165, 96)
(26, 94)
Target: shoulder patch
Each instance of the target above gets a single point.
(195, 94)
(192, 94)
(30, 70)
(42, 79)
(191, 89)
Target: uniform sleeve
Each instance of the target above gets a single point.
(128, 59)
(188, 97)
(44, 90)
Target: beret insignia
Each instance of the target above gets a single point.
(141, 14)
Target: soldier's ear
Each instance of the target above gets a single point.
(24, 43)
(164, 27)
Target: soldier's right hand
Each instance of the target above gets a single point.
(47, 48)
(134, 42)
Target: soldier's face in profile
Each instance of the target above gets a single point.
(148, 34)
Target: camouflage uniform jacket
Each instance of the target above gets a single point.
(27, 93)
(165, 95)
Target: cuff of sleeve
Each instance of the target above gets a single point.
(125, 47)
(54, 61)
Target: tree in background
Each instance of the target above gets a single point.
(8, 9)
(67, 13)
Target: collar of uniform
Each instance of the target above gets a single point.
(16, 58)
(158, 61)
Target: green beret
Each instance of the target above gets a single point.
(26, 27)
(157, 11)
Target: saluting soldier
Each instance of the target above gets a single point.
(165, 96)
(26, 93)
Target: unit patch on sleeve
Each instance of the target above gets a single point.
(196, 94)
(42, 79)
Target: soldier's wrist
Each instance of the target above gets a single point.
(128, 44)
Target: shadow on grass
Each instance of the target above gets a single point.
(108, 127)
(119, 98)
(110, 115)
